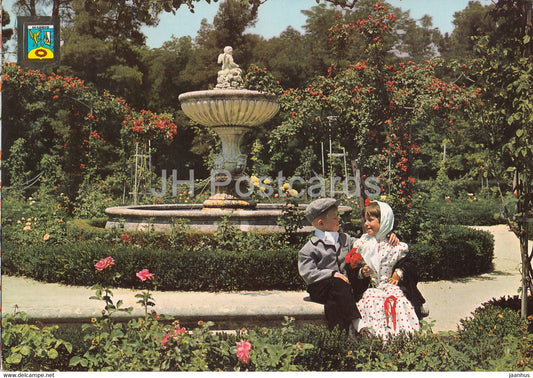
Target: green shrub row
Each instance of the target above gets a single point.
(481, 212)
(492, 339)
(239, 261)
(190, 270)
(454, 252)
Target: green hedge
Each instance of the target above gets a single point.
(482, 212)
(198, 270)
(223, 261)
(454, 252)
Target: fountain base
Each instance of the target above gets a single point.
(197, 217)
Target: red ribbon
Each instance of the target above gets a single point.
(390, 310)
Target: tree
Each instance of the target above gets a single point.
(319, 20)
(38, 8)
(419, 43)
(62, 7)
(7, 33)
(502, 64)
(469, 24)
(102, 45)
(287, 57)
(103, 42)
(382, 111)
(164, 79)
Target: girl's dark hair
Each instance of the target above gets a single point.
(373, 210)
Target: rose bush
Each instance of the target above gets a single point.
(66, 115)
(492, 339)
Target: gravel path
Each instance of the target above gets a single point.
(451, 301)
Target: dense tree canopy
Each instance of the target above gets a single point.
(343, 53)
(469, 24)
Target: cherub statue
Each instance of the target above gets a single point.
(230, 74)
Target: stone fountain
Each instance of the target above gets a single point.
(230, 111)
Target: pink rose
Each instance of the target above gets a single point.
(104, 263)
(243, 351)
(165, 339)
(144, 275)
(179, 330)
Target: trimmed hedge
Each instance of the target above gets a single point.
(217, 269)
(454, 252)
(198, 270)
(482, 212)
(223, 261)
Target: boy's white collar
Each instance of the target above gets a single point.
(330, 237)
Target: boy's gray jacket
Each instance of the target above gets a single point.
(317, 260)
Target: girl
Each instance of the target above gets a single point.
(385, 309)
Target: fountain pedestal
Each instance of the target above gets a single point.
(230, 113)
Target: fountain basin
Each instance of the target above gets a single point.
(229, 107)
(159, 217)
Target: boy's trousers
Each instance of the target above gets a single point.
(339, 303)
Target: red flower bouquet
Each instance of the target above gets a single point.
(354, 258)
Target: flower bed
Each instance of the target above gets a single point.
(492, 339)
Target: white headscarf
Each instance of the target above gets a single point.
(386, 223)
(369, 250)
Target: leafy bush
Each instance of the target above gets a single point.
(497, 339)
(514, 303)
(330, 348)
(492, 339)
(467, 212)
(228, 260)
(454, 252)
(34, 220)
(427, 213)
(199, 270)
(27, 347)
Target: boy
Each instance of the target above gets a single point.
(321, 264)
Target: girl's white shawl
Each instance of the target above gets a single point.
(369, 250)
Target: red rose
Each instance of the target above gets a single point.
(367, 201)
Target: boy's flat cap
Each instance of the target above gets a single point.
(317, 207)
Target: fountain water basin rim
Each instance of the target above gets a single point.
(197, 218)
(263, 218)
(224, 94)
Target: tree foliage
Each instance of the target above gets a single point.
(367, 63)
(469, 24)
(7, 33)
(62, 116)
